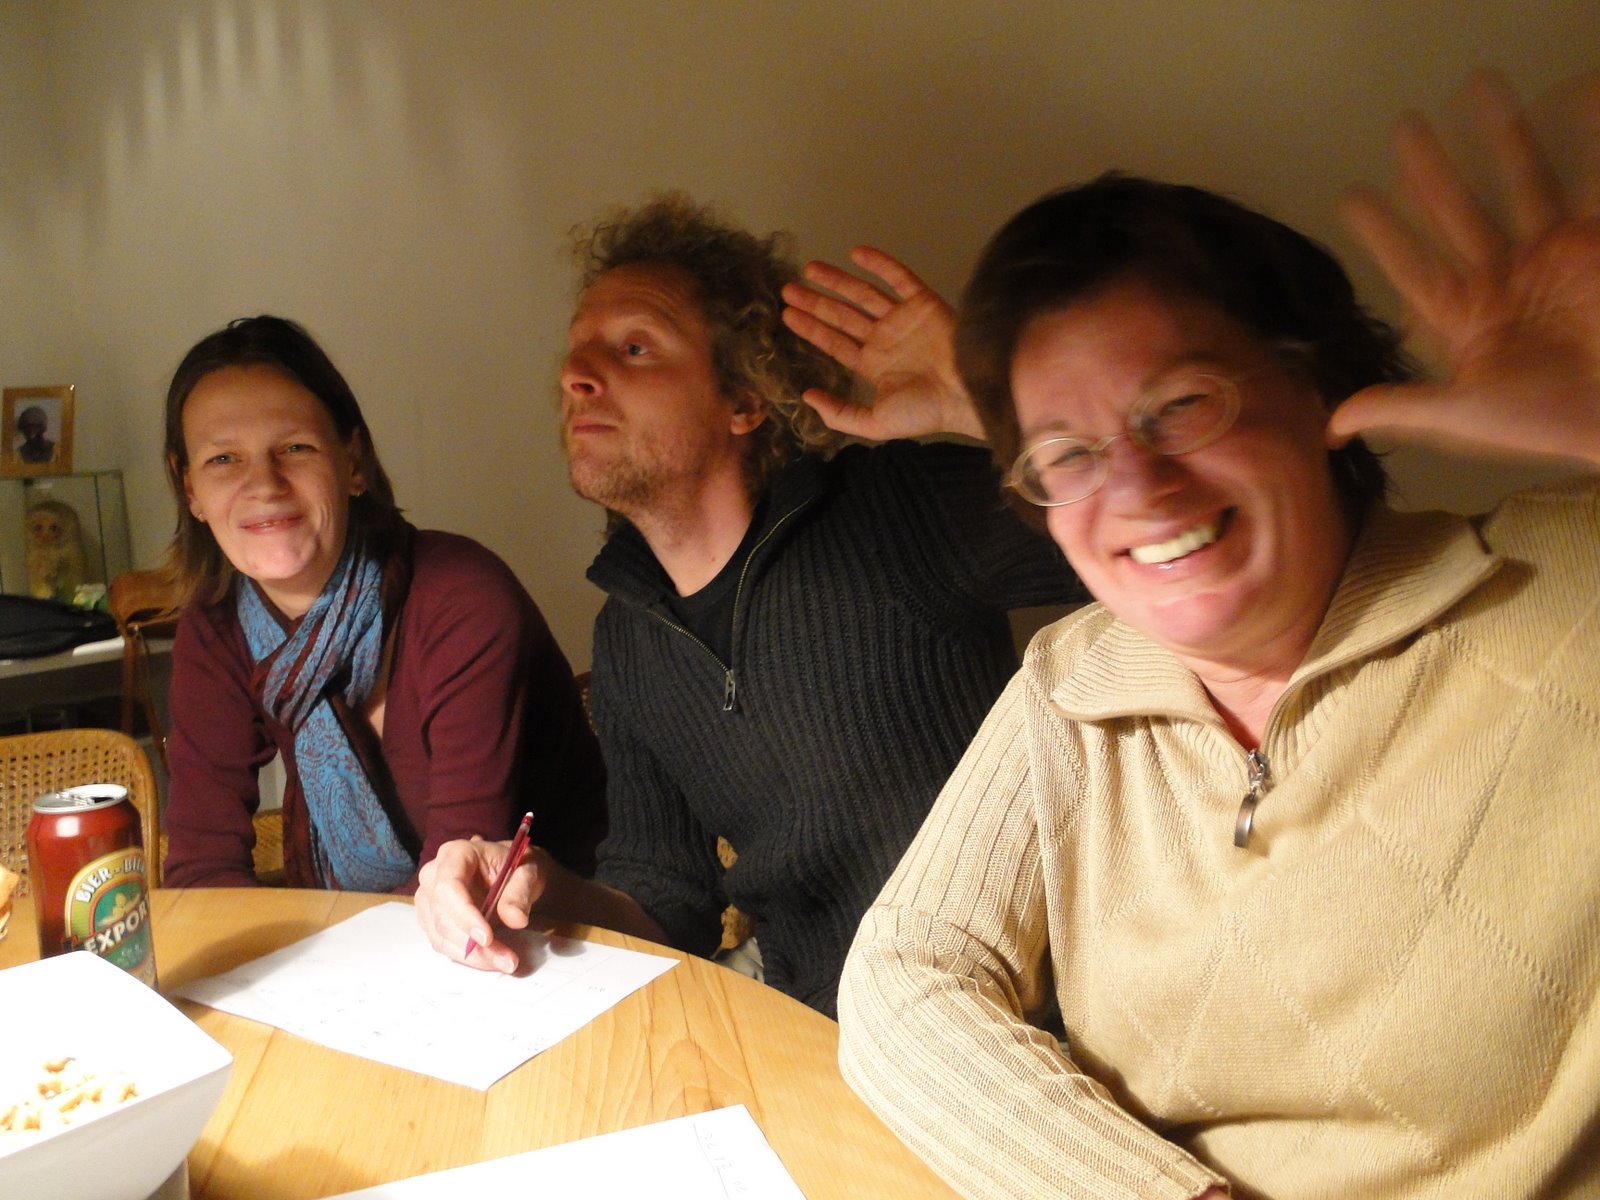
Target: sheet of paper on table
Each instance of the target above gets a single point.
(710, 1156)
(372, 986)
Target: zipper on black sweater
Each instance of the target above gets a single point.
(744, 571)
(729, 691)
(730, 686)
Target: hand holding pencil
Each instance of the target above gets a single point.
(519, 845)
(459, 916)
(470, 883)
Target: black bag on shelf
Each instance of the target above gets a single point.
(30, 628)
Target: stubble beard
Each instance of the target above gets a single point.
(656, 486)
(620, 483)
(621, 487)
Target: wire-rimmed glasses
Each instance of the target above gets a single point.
(1177, 416)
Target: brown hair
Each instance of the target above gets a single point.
(194, 568)
(1284, 287)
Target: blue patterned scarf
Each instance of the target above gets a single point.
(338, 643)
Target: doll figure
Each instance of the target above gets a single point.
(57, 564)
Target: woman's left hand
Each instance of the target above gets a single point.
(1515, 312)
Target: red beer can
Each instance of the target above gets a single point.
(87, 871)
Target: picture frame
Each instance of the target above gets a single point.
(36, 431)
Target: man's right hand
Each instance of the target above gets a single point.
(898, 336)
(451, 890)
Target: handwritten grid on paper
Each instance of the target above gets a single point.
(373, 987)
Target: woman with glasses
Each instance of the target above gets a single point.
(1272, 873)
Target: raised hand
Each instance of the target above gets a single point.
(897, 337)
(1515, 312)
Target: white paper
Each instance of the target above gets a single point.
(372, 986)
(104, 646)
(719, 1155)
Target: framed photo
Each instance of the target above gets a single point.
(36, 431)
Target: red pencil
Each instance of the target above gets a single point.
(518, 845)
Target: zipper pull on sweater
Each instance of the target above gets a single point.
(1257, 768)
(729, 691)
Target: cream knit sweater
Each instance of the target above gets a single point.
(1391, 993)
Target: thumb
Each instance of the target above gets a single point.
(1412, 407)
(841, 416)
(523, 889)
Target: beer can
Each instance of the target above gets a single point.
(87, 871)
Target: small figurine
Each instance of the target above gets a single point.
(57, 563)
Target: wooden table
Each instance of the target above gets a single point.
(299, 1121)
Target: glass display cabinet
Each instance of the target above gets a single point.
(66, 537)
(63, 536)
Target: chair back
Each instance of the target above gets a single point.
(267, 855)
(582, 679)
(143, 609)
(32, 764)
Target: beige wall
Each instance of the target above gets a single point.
(400, 176)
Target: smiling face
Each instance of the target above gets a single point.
(644, 419)
(1227, 555)
(270, 477)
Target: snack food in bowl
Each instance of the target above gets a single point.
(121, 1035)
(63, 1091)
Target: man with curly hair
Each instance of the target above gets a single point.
(799, 639)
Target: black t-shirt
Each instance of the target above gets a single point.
(708, 613)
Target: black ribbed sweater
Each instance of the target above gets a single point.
(869, 640)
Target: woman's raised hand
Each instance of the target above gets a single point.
(1513, 309)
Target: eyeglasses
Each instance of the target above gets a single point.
(1180, 415)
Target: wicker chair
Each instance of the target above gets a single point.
(268, 852)
(584, 680)
(34, 763)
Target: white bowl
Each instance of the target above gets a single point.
(81, 1005)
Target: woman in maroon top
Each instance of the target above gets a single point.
(406, 677)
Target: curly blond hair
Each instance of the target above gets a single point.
(738, 279)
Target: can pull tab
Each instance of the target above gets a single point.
(1257, 768)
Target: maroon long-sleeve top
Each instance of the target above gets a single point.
(482, 722)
